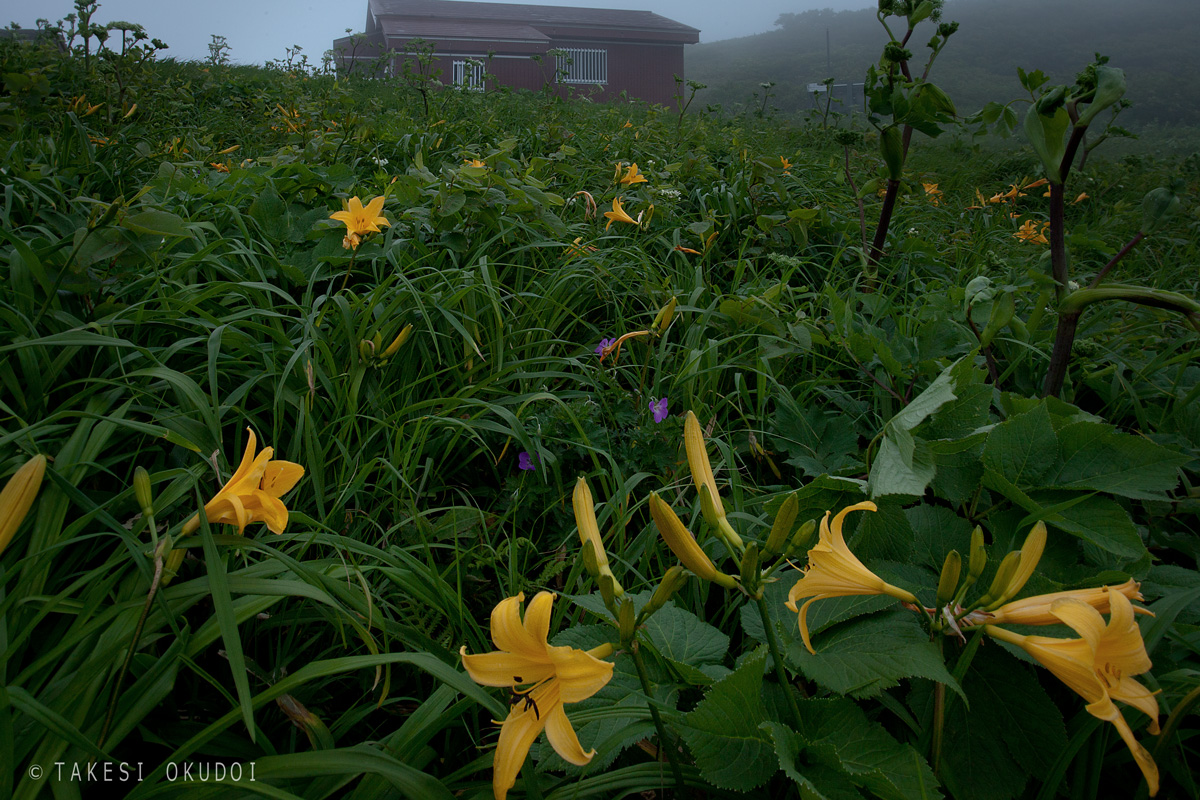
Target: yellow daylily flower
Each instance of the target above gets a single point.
(1036, 610)
(18, 495)
(555, 675)
(933, 193)
(252, 494)
(684, 545)
(1029, 232)
(631, 175)
(833, 571)
(618, 214)
(1099, 666)
(787, 165)
(362, 220)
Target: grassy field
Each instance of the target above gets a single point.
(176, 286)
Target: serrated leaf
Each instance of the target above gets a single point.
(838, 732)
(682, 637)
(816, 782)
(1022, 449)
(1096, 456)
(936, 531)
(723, 731)
(884, 533)
(902, 466)
(863, 657)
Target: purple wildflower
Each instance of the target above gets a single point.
(659, 409)
(604, 345)
(525, 461)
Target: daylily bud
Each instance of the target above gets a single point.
(707, 507)
(366, 349)
(400, 339)
(1004, 574)
(948, 582)
(610, 590)
(627, 621)
(141, 490)
(751, 577)
(1031, 553)
(663, 319)
(785, 517)
(684, 545)
(18, 495)
(802, 537)
(589, 559)
(978, 557)
(110, 213)
(702, 474)
(671, 583)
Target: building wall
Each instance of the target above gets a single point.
(642, 70)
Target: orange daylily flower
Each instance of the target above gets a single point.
(618, 214)
(1029, 232)
(362, 220)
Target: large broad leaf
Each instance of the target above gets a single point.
(866, 656)
(1023, 449)
(723, 731)
(838, 733)
(816, 441)
(1011, 731)
(936, 531)
(1096, 456)
(816, 781)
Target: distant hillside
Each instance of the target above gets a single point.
(1154, 41)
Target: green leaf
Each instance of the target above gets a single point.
(1022, 449)
(936, 531)
(351, 762)
(838, 733)
(682, 637)
(816, 441)
(817, 781)
(224, 612)
(1046, 135)
(723, 731)
(866, 656)
(1096, 456)
(884, 533)
(158, 223)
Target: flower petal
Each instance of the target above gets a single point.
(562, 738)
(509, 634)
(1083, 619)
(537, 619)
(520, 728)
(580, 674)
(1105, 710)
(280, 476)
(504, 669)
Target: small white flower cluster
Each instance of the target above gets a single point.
(669, 194)
(379, 162)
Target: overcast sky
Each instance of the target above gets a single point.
(260, 30)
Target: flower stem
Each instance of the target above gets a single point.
(780, 673)
(939, 718)
(664, 743)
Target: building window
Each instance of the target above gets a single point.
(579, 65)
(468, 74)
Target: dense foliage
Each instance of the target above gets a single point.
(187, 251)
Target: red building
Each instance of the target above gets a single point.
(598, 52)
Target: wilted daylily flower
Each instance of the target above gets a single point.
(833, 571)
(618, 214)
(1099, 666)
(554, 675)
(362, 220)
(933, 193)
(252, 493)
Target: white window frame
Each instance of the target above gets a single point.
(467, 74)
(582, 65)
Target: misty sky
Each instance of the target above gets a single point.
(260, 30)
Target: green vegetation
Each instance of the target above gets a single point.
(631, 355)
(1151, 40)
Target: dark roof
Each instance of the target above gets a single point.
(466, 29)
(517, 14)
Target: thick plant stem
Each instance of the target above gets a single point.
(939, 724)
(885, 219)
(780, 673)
(664, 743)
(1058, 239)
(1060, 357)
